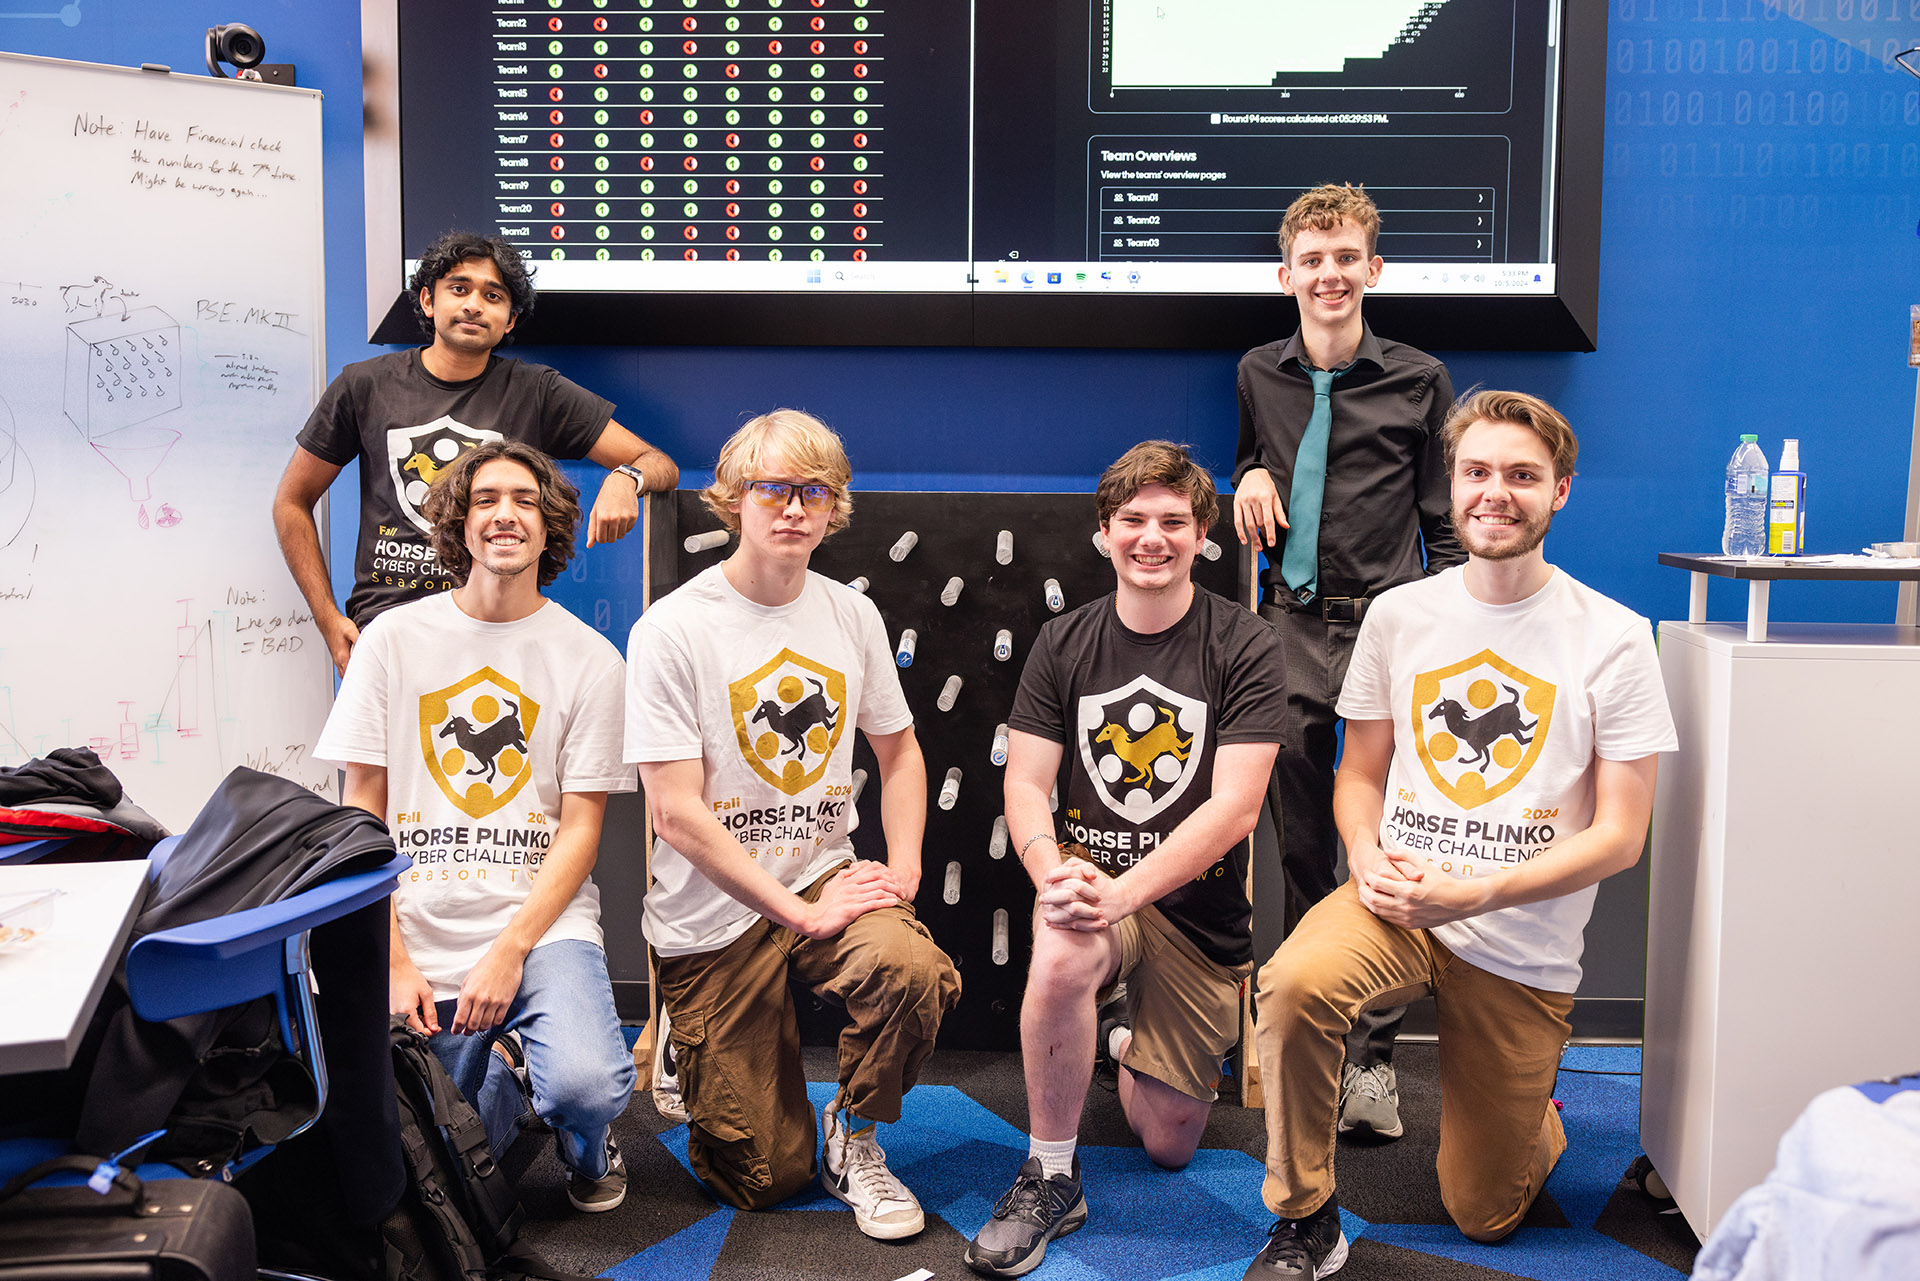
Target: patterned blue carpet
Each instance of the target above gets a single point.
(958, 1153)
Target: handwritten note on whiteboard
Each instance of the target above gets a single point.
(161, 295)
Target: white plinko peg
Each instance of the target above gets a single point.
(950, 790)
(950, 893)
(1210, 549)
(950, 594)
(997, 843)
(999, 753)
(904, 654)
(1003, 645)
(1100, 542)
(1000, 936)
(902, 545)
(1003, 547)
(859, 584)
(1056, 599)
(697, 543)
(949, 694)
(859, 781)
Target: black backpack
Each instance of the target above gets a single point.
(459, 1218)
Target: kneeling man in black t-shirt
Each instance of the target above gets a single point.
(1157, 711)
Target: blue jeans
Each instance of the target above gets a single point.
(578, 1064)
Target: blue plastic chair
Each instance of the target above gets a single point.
(31, 851)
(228, 960)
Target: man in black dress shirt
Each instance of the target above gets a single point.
(1383, 501)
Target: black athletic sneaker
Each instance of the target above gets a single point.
(1033, 1212)
(1310, 1247)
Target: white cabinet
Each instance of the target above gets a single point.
(1783, 939)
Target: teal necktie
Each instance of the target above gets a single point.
(1300, 562)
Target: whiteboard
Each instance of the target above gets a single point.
(161, 338)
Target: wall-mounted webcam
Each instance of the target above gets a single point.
(236, 43)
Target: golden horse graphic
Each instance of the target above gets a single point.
(422, 466)
(1140, 753)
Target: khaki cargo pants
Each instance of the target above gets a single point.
(751, 1134)
(1500, 1044)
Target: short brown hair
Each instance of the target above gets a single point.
(447, 502)
(803, 442)
(1324, 209)
(1520, 409)
(1158, 462)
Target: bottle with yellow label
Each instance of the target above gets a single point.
(1787, 505)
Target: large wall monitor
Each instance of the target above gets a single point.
(993, 172)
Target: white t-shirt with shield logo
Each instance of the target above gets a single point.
(767, 698)
(481, 728)
(1498, 713)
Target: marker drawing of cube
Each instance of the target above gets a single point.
(121, 372)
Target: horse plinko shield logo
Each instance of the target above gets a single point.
(1479, 725)
(788, 715)
(415, 455)
(474, 738)
(1141, 744)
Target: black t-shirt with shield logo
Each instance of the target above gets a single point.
(405, 426)
(1139, 719)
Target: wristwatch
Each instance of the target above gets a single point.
(639, 481)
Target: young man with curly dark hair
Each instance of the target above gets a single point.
(483, 726)
(406, 415)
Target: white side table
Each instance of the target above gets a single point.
(50, 985)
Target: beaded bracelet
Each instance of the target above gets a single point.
(1039, 836)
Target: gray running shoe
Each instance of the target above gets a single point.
(1033, 1212)
(1370, 1100)
(1310, 1247)
(595, 1196)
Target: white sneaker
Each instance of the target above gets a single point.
(855, 1170)
(667, 1100)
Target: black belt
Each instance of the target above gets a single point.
(1334, 609)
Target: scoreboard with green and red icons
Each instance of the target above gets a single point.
(1078, 172)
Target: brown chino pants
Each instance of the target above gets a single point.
(751, 1134)
(1500, 1044)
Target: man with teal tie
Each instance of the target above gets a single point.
(1347, 428)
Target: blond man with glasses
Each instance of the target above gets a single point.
(745, 686)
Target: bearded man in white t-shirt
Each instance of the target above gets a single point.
(747, 684)
(1503, 725)
(483, 725)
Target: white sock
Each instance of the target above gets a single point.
(1055, 1158)
(1119, 1041)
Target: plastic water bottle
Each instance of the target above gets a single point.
(1745, 533)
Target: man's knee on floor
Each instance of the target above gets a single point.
(787, 1181)
(758, 1186)
(1169, 1123)
(1169, 1147)
(1487, 1214)
(750, 1164)
(1169, 1153)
